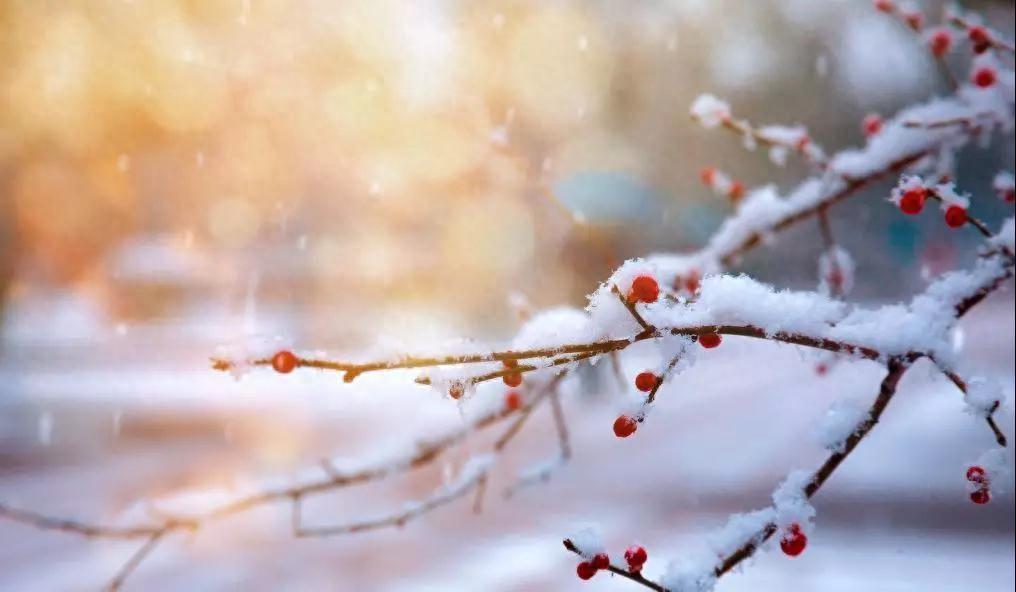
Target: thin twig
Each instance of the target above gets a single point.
(135, 560)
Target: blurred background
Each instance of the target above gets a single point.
(181, 173)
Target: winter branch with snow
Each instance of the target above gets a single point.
(682, 306)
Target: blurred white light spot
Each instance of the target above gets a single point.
(743, 59)
(958, 339)
(878, 60)
(45, 428)
(117, 421)
(822, 65)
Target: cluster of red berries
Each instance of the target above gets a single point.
(982, 491)
(980, 38)
(645, 289)
(634, 555)
(793, 540)
(912, 203)
(285, 362)
(912, 16)
(940, 41)
(588, 569)
(722, 184)
(871, 125)
(647, 380)
(625, 425)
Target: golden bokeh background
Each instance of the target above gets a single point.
(404, 152)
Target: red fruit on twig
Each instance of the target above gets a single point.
(284, 362)
(710, 340)
(636, 557)
(646, 381)
(624, 426)
(585, 570)
(793, 541)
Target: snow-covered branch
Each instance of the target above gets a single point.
(683, 305)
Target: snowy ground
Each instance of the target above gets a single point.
(94, 422)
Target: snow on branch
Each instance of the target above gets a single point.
(680, 304)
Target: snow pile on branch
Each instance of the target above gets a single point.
(688, 576)
(983, 397)
(997, 467)
(1006, 237)
(790, 503)
(710, 111)
(841, 420)
(588, 540)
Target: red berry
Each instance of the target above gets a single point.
(585, 570)
(821, 369)
(885, 5)
(624, 426)
(981, 496)
(979, 36)
(975, 474)
(691, 283)
(793, 541)
(284, 362)
(955, 216)
(601, 561)
(940, 42)
(912, 201)
(915, 20)
(871, 124)
(646, 381)
(512, 379)
(1007, 195)
(708, 176)
(636, 557)
(510, 363)
(736, 190)
(644, 289)
(456, 390)
(710, 340)
(984, 77)
(835, 279)
(512, 400)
